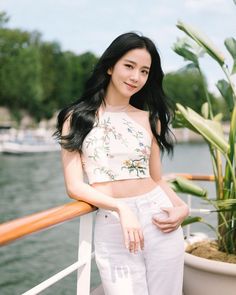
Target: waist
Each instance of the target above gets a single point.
(126, 188)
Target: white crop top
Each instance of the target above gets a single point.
(116, 148)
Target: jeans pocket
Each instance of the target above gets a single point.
(157, 202)
(107, 217)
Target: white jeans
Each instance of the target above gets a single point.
(156, 270)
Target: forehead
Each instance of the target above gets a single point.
(139, 56)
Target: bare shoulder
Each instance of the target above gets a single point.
(66, 125)
(138, 112)
(141, 117)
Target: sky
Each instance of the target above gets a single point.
(91, 25)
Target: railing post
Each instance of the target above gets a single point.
(84, 254)
(188, 229)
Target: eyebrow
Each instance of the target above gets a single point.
(133, 62)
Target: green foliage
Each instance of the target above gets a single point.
(230, 44)
(38, 76)
(193, 96)
(207, 123)
(190, 220)
(189, 80)
(4, 18)
(180, 184)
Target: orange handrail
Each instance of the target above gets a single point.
(197, 177)
(20, 227)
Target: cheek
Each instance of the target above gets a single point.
(143, 81)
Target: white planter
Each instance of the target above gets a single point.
(207, 277)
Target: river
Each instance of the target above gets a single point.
(32, 183)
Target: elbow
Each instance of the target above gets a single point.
(71, 193)
(74, 191)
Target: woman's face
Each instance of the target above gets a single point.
(130, 73)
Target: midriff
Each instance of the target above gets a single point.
(126, 188)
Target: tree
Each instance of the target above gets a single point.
(38, 76)
(4, 19)
(185, 87)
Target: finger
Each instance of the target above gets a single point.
(141, 238)
(126, 239)
(163, 220)
(167, 209)
(131, 241)
(164, 226)
(170, 230)
(137, 241)
(170, 227)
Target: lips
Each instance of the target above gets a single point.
(130, 85)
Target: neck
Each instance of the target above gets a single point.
(114, 98)
(115, 107)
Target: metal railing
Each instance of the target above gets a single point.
(22, 227)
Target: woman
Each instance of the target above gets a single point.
(114, 134)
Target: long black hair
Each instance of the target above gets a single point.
(151, 97)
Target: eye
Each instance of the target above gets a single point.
(129, 66)
(145, 72)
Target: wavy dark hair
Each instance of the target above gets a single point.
(151, 97)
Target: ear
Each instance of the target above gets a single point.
(109, 71)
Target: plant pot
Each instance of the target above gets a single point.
(208, 277)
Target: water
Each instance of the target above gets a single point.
(33, 183)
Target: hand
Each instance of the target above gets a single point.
(132, 231)
(175, 216)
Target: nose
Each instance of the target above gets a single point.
(135, 76)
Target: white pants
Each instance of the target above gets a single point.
(156, 270)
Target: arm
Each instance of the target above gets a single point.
(180, 210)
(78, 190)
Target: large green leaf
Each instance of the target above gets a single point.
(180, 122)
(203, 41)
(232, 134)
(191, 219)
(210, 130)
(182, 185)
(205, 110)
(227, 93)
(235, 152)
(218, 117)
(184, 49)
(230, 44)
(226, 204)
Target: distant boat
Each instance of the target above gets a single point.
(23, 147)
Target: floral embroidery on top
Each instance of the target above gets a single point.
(116, 149)
(106, 171)
(102, 144)
(132, 130)
(111, 130)
(139, 165)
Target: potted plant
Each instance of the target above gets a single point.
(223, 156)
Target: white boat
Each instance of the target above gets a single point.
(22, 147)
(13, 141)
